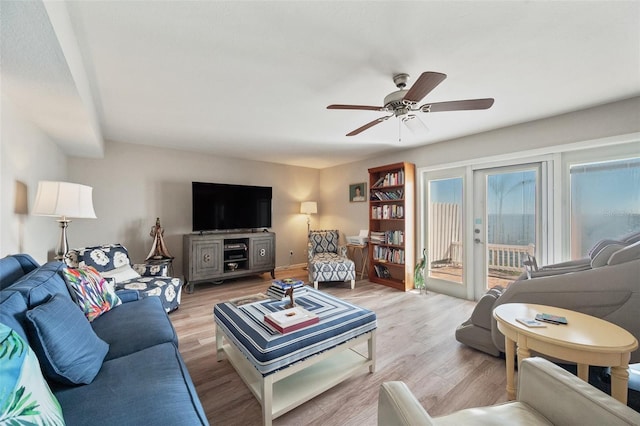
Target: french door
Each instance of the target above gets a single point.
(507, 223)
(480, 225)
(445, 204)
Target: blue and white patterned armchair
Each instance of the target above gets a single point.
(112, 262)
(327, 260)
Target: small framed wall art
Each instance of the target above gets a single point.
(357, 192)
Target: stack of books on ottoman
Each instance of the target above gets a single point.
(291, 319)
(279, 288)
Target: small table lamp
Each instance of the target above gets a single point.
(308, 208)
(64, 200)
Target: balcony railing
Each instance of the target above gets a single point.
(504, 257)
(504, 261)
(507, 257)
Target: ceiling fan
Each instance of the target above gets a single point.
(403, 103)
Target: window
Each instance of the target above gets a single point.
(605, 202)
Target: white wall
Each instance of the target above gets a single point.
(26, 155)
(134, 184)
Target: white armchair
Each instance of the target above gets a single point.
(547, 395)
(327, 260)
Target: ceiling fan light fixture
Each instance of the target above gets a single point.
(414, 124)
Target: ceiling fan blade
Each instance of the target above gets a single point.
(468, 104)
(363, 107)
(424, 84)
(370, 124)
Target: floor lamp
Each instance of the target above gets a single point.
(64, 200)
(21, 209)
(308, 208)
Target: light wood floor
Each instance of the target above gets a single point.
(415, 343)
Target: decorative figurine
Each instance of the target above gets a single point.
(289, 293)
(158, 249)
(419, 279)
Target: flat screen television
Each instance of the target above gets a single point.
(220, 206)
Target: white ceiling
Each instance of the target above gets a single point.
(252, 79)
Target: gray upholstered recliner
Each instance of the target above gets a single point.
(327, 260)
(547, 395)
(605, 285)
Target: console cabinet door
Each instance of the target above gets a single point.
(207, 259)
(263, 252)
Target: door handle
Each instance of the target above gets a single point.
(477, 232)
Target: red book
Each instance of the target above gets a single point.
(291, 319)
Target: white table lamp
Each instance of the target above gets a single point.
(64, 200)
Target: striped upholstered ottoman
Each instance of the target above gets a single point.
(286, 370)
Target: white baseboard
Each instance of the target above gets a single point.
(286, 267)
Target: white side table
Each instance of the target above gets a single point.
(362, 249)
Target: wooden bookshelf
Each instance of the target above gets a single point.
(392, 225)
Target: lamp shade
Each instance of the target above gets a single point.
(309, 207)
(64, 199)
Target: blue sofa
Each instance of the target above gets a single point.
(142, 378)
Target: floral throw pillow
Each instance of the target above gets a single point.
(93, 293)
(25, 397)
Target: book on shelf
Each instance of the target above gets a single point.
(376, 212)
(392, 255)
(389, 195)
(395, 237)
(387, 211)
(390, 179)
(378, 183)
(377, 236)
(382, 271)
(291, 319)
(388, 237)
